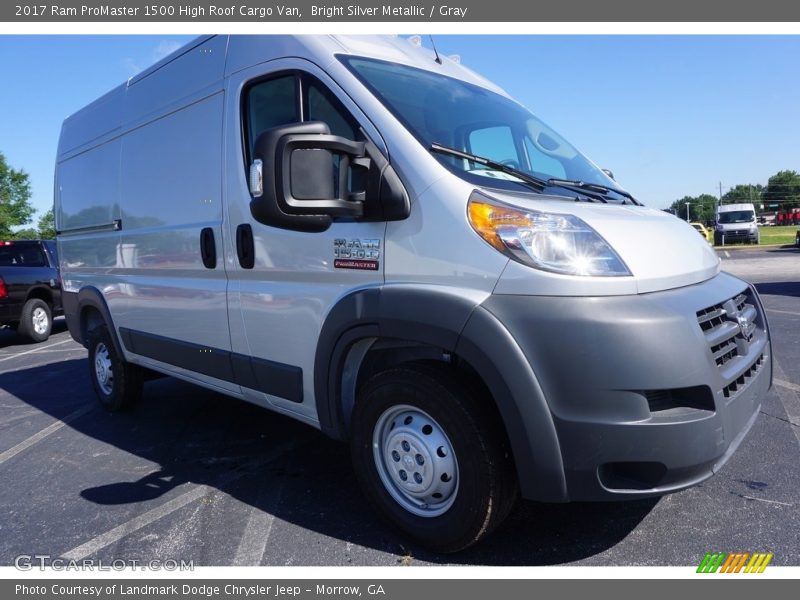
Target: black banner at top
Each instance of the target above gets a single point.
(454, 11)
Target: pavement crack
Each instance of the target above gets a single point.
(762, 500)
(779, 418)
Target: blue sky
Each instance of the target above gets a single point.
(670, 115)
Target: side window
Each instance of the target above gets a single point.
(543, 164)
(293, 98)
(497, 142)
(269, 104)
(324, 107)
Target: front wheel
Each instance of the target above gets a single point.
(432, 457)
(117, 383)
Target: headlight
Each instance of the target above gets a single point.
(552, 242)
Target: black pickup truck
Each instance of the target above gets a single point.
(30, 287)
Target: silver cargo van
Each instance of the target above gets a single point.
(384, 245)
(736, 223)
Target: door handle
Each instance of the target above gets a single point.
(208, 248)
(245, 249)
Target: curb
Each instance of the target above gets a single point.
(746, 247)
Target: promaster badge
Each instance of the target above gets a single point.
(357, 254)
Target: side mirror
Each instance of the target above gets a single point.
(609, 173)
(300, 175)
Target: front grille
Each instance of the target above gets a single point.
(743, 379)
(738, 234)
(729, 328)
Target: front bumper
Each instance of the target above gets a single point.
(731, 236)
(648, 394)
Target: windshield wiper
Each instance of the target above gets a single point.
(590, 190)
(535, 182)
(593, 187)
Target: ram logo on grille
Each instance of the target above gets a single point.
(746, 325)
(743, 314)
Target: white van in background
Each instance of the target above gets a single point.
(736, 223)
(384, 245)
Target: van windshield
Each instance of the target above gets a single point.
(735, 216)
(442, 110)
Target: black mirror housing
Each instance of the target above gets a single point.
(302, 191)
(298, 177)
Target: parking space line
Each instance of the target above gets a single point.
(787, 384)
(37, 437)
(36, 350)
(258, 529)
(784, 312)
(117, 533)
(48, 360)
(113, 535)
(727, 254)
(788, 399)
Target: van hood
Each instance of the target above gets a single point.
(661, 251)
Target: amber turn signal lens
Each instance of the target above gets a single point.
(487, 219)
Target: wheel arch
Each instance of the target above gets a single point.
(423, 324)
(85, 310)
(41, 293)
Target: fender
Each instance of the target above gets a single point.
(444, 318)
(74, 303)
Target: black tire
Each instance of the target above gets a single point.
(485, 484)
(36, 320)
(123, 389)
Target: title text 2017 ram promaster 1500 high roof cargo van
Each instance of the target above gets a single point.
(387, 247)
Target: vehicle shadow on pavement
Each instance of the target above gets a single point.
(779, 288)
(10, 337)
(196, 436)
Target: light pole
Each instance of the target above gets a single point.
(687, 211)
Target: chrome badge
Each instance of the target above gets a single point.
(746, 326)
(356, 253)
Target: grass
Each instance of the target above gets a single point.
(785, 234)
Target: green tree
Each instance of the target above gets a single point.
(15, 199)
(701, 208)
(744, 193)
(783, 189)
(47, 226)
(29, 233)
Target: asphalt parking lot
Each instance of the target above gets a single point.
(196, 476)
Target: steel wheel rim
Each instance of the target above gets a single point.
(415, 460)
(104, 375)
(39, 320)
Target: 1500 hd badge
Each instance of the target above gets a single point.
(356, 253)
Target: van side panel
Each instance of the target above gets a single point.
(88, 193)
(171, 190)
(177, 83)
(100, 119)
(89, 188)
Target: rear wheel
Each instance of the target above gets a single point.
(431, 457)
(36, 320)
(117, 383)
